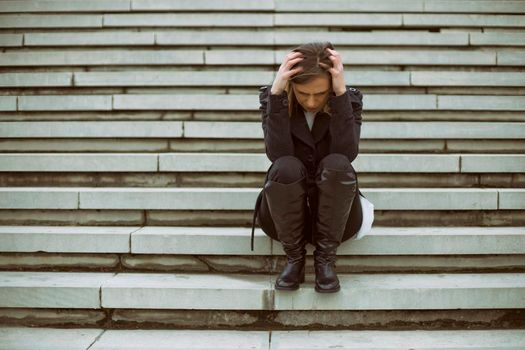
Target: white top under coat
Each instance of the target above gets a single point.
(310, 116)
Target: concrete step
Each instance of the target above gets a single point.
(231, 78)
(249, 162)
(248, 57)
(30, 142)
(256, 292)
(256, 264)
(236, 240)
(278, 19)
(188, 339)
(253, 179)
(456, 131)
(408, 20)
(276, 5)
(241, 36)
(252, 37)
(227, 249)
(230, 102)
(430, 6)
(210, 198)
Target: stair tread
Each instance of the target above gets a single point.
(223, 240)
(235, 291)
(82, 338)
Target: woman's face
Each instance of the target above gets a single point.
(313, 96)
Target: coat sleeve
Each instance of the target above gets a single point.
(275, 123)
(345, 123)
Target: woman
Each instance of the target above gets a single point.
(312, 125)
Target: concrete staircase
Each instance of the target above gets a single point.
(131, 155)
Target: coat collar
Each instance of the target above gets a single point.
(299, 127)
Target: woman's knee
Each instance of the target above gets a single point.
(287, 169)
(336, 161)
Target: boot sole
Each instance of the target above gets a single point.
(289, 288)
(321, 290)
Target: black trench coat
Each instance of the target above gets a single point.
(284, 135)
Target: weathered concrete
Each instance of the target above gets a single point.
(32, 317)
(47, 338)
(59, 261)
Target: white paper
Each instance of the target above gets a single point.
(367, 209)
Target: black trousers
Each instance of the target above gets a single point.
(289, 169)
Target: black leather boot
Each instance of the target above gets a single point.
(286, 203)
(336, 191)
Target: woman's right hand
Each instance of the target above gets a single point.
(285, 73)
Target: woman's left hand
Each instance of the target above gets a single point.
(338, 77)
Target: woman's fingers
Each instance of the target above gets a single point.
(297, 69)
(294, 61)
(289, 58)
(333, 52)
(325, 66)
(293, 56)
(292, 72)
(335, 57)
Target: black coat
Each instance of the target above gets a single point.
(284, 135)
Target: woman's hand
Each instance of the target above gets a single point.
(338, 77)
(285, 73)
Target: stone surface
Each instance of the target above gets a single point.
(462, 20)
(171, 78)
(216, 37)
(431, 241)
(250, 162)
(51, 317)
(50, 21)
(437, 339)
(183, 102)
(29, 338)
(90, 39)
(493, 163)
(149, 262)
(90, 129)
(65, 103)
(383, 6)
(35, 79)
(184, 319)
(459, 131)
(482, 102)
(410, 291)
(8, 40)
(98, 57)
(478, 79)
(216, 198)
(65, 6)
(39, 260)
(79, 162)
(51, 289)
(186, 291)
(66, 239)
(182, 339)
(375, 37)
(512, 198)
(221, 5)
(200, 240)
(184, 21)
(38, 198)
(8, 103)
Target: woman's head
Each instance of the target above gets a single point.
(310, 88)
